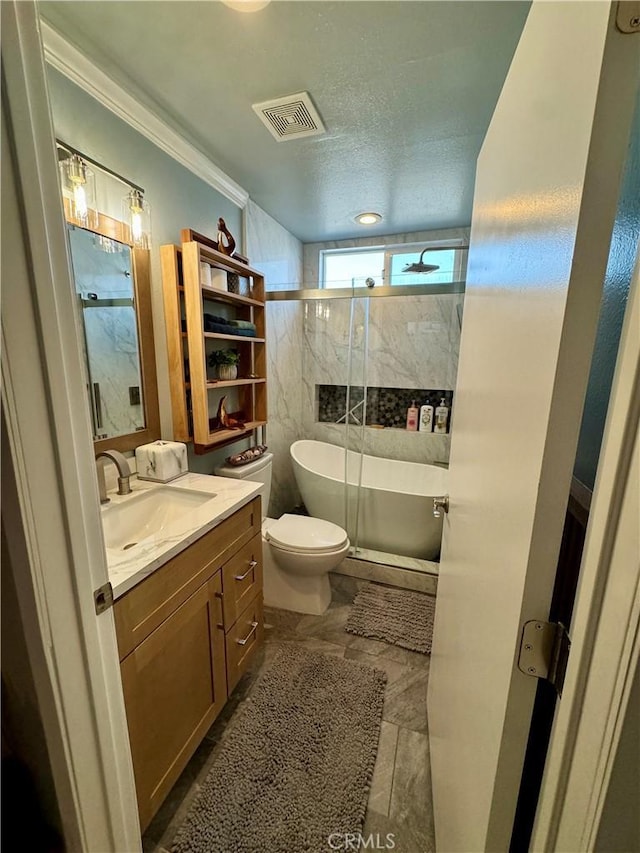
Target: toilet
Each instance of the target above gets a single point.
(298, 551)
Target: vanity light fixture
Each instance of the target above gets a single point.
(368, 218)
(137, 212)
(78, 178)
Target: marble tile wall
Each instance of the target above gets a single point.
(276, 252)
(413, 343)
(386, 443)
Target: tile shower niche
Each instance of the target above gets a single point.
(385, 407)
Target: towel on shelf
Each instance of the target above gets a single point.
(243, 324)
(220, 329)
(221, 326)
(211, 318)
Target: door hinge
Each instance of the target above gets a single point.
(103, 597)
(544, 651)
(628, 16)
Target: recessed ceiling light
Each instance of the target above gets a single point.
(246, 5)
(368, 218)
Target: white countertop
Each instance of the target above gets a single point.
(127, 568)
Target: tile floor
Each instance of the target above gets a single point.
(400, 795)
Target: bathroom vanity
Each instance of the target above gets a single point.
(188, 630)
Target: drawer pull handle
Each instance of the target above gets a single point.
(252, 566)
(244, 642)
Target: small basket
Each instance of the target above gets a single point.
(233, 283)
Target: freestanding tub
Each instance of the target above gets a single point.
(396, 498)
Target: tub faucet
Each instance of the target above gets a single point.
(124, 472)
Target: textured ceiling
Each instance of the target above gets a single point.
(405, 89)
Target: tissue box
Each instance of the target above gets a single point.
(161, 461)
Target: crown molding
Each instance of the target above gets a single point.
(71, 62)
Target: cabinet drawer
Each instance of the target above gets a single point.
(147, 605)
(241, 580)
(243, 640)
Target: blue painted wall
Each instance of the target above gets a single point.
(178, 198)
(614, 302)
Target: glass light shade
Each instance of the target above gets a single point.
(136, 211)
(79, 189)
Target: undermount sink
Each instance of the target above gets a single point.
(145, 514)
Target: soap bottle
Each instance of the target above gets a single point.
(412, 417)
(442, 416)
(426, 417)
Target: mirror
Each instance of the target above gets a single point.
(114, 306)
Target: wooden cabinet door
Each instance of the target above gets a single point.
(174, 686)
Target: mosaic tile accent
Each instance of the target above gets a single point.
(386, 407)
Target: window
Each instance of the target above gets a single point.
(351, 267)
(445, 259)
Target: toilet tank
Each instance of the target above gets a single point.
(259, 471)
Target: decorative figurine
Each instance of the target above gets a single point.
(224, 419)
(247, 455)
(223, 232)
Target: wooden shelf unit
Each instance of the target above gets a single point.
(238, 338)
(186, 300)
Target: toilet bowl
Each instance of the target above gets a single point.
(298, 551)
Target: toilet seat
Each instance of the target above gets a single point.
(304, 535)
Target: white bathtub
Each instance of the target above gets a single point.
(396, 499)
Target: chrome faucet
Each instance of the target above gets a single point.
(124, 472)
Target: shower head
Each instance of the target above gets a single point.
(420, 267)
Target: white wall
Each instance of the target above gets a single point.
(277, 253)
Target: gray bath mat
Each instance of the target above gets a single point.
(297, 763)
(398, 616)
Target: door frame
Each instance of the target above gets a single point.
(52, 513)
(50, 506)
(605, 651)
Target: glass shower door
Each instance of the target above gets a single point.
(355, 417)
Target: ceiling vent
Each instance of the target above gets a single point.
(290, 118)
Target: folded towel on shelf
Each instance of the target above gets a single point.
(211, 318)
(220, 329)
(243, 324)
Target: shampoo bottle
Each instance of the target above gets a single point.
(442, 416)
(412, 417)
(426, 417)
